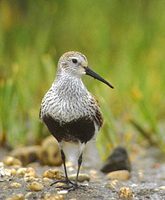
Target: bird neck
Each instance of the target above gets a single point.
(69, 85)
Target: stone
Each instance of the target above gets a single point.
(118, 160)
(53, 197)
(27, 154)
(29, 195)
(11, 161)
(4, 172)
(30, 179)
(125, 193)
(62, 192)
(162, 187)
(45, 179)
(30, 172)
(121, 175)
(53, 174)
(16, 197)
(13, 171)
(15, 185)
(21, 171)
(81, 177)
(1, 164)
(35, 186)
(50, 154)
(112, 184)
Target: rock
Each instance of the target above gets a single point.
(125, 193)
(118, 160)
(27, 154)
(62, 192)
(29, 195)
(121, 175)
(53, 197)
(162, 187)
(15, 185)
(35, 186)
(141, 175)
(112, 184)
(45, 179)
(53, 174)
(21, 171)
(26, 172)
(13, 171)
(30, 172)
(81, 177)
(4, 172)
(30, 179)
(16, 197)
(50, 152)
(11, 161)
(1, 164)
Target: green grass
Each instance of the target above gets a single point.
(124, 42)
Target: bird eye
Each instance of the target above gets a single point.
(74, 60)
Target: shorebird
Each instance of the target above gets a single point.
(69, 110)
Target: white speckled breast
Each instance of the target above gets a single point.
(68, 99)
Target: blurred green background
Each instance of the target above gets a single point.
(124, 41)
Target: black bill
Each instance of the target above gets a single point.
(96, 76)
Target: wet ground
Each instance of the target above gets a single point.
(147, 182)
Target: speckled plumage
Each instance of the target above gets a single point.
(68, 109)
(68, 100)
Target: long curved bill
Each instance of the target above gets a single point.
(96, 76)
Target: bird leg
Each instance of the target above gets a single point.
(78, 170)
(69, 185)
(66, 180)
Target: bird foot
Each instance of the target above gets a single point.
(65, 181)
(67, 185)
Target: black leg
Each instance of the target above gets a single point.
(63, 160)
(79, 165)
(69, 185)
(67, 181)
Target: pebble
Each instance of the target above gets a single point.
(53, 174)
(162, 187)
(53, 197)
(45, 179)
(113, 184)
(1, 164)
(26, 172)
(81, 177)
(141, 175)
(11, 161)
(30, 172)
(62, 192)
(21, 171)
(15, 185)
(4, 172)
(125, 193)
(27, 154)
(35, 186)
(13, 171)
(30, 179)
(28, 195)
(50, 153)
(16, 197)
(121, 175)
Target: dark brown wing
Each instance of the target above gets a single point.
(98, 116)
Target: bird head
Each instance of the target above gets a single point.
(75, 64)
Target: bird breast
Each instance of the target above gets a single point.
(69, 101)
